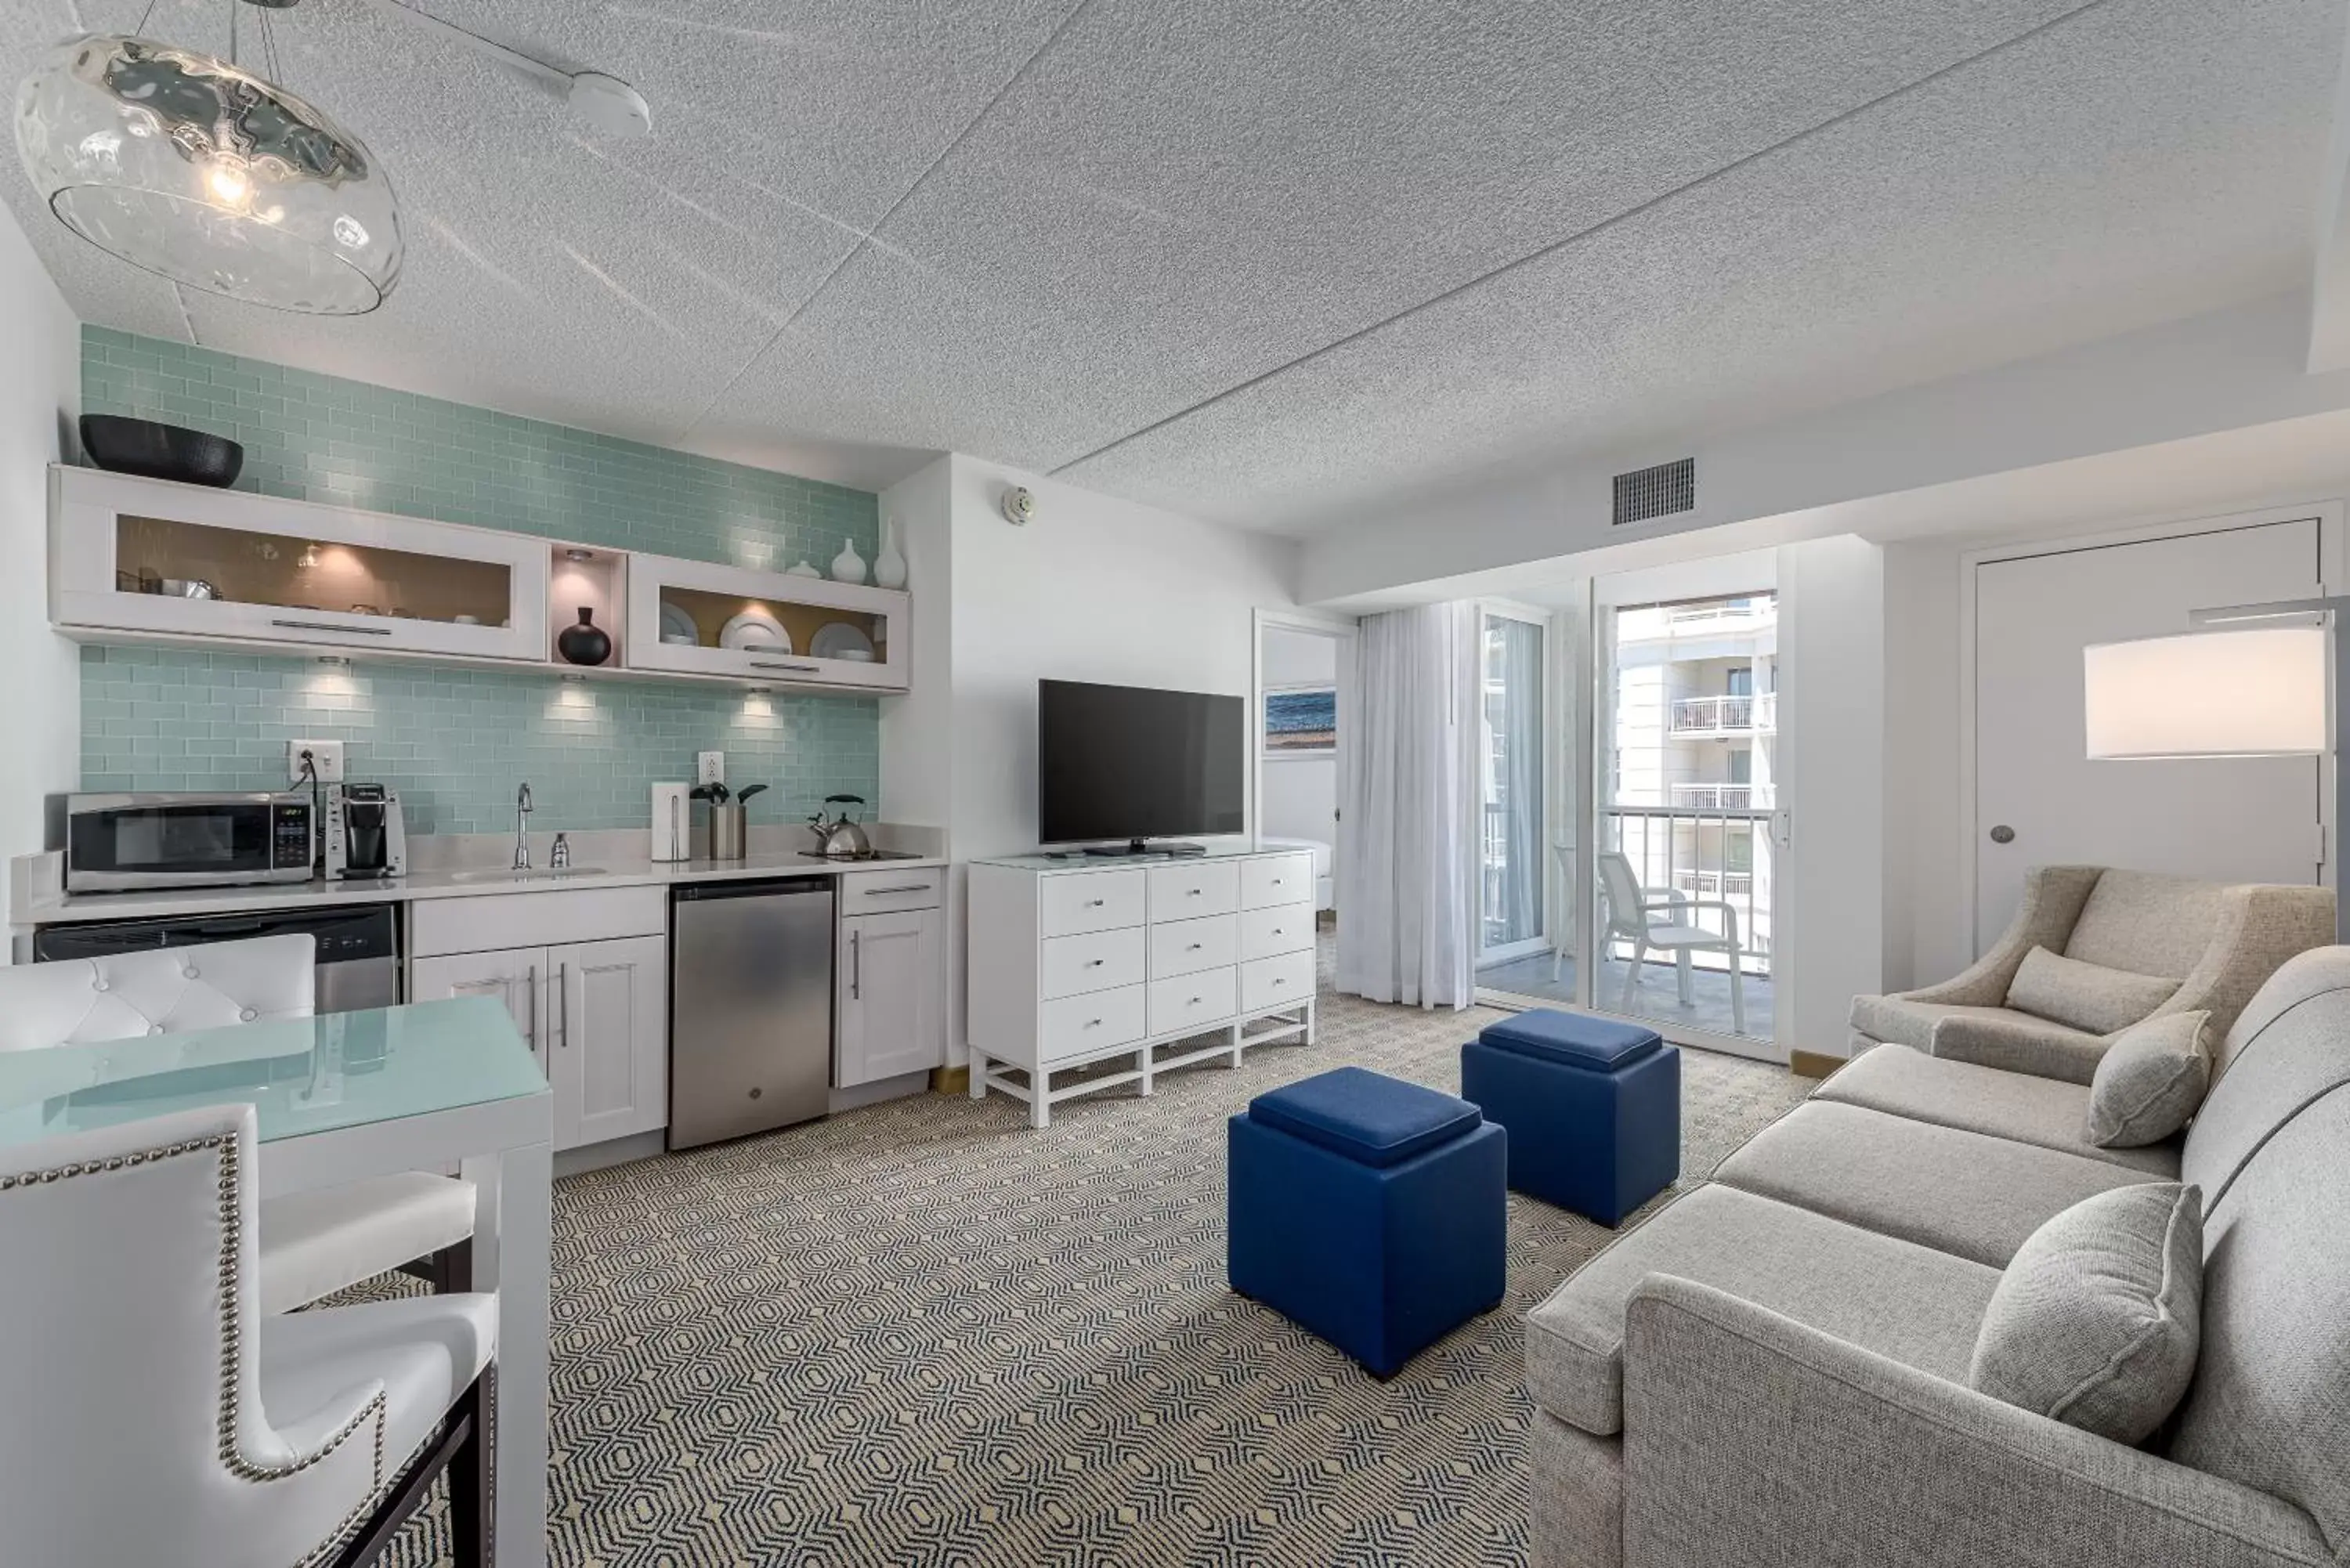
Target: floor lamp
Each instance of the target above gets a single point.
(2252, 690)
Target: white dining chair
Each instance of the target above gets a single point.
(312, 1245)
(154, 1413)
(1632, 917)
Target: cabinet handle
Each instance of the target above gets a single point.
(530, 980)
(1193, 1003)
(1095, 903)
(1193, 892)
(1095, 963)
(563, 1007)
(909, 888)
(1280, 982)
(1192, 949)
(795, 668)
(330, 626)
(856, 965)
(1093, 1022)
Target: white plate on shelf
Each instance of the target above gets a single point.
(839, 639)
(755, 630)
(677, 626)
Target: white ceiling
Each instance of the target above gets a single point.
(1263, 261)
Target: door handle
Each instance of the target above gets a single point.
(856, 966)
(2002, 834)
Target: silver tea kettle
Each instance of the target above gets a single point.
(840, 838)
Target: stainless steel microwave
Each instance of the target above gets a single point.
(113, 843)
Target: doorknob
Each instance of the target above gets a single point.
(2002, 834)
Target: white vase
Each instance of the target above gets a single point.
(801, 569)
(849, 566)
(890, 566)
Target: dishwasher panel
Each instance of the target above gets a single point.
(750, 1007)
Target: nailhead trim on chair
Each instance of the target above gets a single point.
(231, 1347)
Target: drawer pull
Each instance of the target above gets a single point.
(330, 626)
(1193, 892)
(1277, 981)
(1195, 947)
(1095, 963)
(1093, 1022)
(886, 892)
(1095, 903)
(1194, 1001)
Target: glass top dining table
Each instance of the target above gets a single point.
(301, 1075)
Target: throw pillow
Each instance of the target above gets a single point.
(2150, 1081)
(2097, 1321)
(2086, 996)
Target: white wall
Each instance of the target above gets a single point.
(1092, 589)
(40, 395)
(1300, 798)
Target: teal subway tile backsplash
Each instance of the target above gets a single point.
(321, 437)
(456, 742)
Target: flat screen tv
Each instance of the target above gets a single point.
(1126, 763)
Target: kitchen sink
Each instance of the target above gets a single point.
(539, 874)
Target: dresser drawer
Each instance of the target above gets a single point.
(1187, 1002)
(1091, 901)
(1283, 928)
(1186, 947)
(1101, 960)
(1276, 981)
(1276, 879)
(1082, 1025)
(1188, 890)
(887, 892)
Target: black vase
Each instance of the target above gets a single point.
(585, 643)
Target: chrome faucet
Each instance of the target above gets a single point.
(522, 844)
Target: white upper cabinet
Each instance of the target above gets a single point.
(183, 562)
(694, 617)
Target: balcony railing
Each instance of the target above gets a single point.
(1725, 715)
(1706, 852)
(1717, 610)
(1714, 797)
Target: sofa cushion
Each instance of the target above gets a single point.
(1901, 1021)
(2148, 923)
(2014, 1106)
(1576, 1039)
(1367, 1117)
(2288, 1048)
(2148, 1085)
(2097, 1321)
(2084, 996)
(1976, 1196)
(1914, 1304)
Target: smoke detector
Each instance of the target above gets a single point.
(1019, 506)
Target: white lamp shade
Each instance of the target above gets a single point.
(2256, 692)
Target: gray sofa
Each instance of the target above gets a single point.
(1770, 1371)
(2218, 941)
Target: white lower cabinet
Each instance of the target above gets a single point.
(590, 994)
(889, 978)
(597, 1017)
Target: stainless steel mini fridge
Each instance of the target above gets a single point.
(750, 1006)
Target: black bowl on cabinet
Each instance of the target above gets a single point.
(154, 451)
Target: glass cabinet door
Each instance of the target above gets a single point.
(701, 617)
(145, 556)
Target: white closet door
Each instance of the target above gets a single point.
(2038, 798)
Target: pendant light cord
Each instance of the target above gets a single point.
(140, 30)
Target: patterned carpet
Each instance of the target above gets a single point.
(921, 1333)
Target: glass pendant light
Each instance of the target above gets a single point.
(192, 167)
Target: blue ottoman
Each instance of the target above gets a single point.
(1593, 1108)
(1371, 1212)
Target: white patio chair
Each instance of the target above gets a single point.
(312, 1244)
(1631, 910)
(154, 1415)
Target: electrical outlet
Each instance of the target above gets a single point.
(327, 755)
(710, 767)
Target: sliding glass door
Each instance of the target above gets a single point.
(1511, 839)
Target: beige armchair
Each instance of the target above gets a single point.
(2219, 943)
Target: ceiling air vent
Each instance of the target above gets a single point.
(1659, 492)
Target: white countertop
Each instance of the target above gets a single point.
(601, 872)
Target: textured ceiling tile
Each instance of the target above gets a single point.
(2151, 159)
(1176, 198)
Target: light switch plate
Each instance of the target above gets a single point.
(710, 767)
(327, 755)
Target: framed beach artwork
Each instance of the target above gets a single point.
(1300, 721)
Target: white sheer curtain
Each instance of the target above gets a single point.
(1404, 934)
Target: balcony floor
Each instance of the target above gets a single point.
(1657, 999)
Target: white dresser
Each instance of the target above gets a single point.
(1077, 960)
